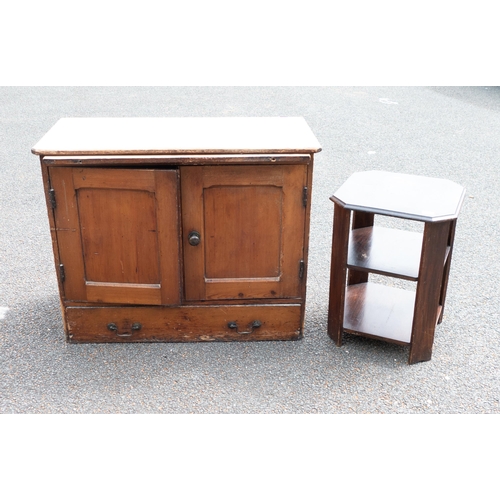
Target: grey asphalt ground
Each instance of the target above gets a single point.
(449, 132)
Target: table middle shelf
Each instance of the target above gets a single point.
(387, 251)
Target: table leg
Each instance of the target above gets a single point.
(338, 272)
(359, 220)
(446, 270)
(435, 241)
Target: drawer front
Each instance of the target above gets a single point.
(184, 324)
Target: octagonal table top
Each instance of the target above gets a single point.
(406, 196)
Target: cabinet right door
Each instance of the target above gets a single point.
(243, 231)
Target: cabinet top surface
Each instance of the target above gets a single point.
(414, 197)
(88, 136)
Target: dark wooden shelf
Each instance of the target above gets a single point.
(390, 252)
(381, 250)
(360, 248)
(379, 311)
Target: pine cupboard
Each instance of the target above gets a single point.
(179, 229)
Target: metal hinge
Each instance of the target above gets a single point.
(62, 274)
(301, 269)
(304, 196)
(52, 198)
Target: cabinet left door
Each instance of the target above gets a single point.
(117, 234)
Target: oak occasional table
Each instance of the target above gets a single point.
(388, 313)
(179, 229)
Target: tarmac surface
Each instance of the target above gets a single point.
(449, 132)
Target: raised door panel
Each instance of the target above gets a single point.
(116, 236)
(251, 226)
(117, 233)
(235, 238)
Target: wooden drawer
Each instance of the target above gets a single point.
(184, 324)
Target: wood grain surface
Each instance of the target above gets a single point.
(408, 196)
(184, 324)
(251, 223)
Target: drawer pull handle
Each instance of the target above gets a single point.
(194, 238)
(234, 326)
(135, 328)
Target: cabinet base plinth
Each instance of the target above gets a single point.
(184, 323)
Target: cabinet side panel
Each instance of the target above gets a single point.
(53, 234)
(307, 218)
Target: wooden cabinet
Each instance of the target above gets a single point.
(184, 229)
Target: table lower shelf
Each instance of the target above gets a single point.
(379, 311)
